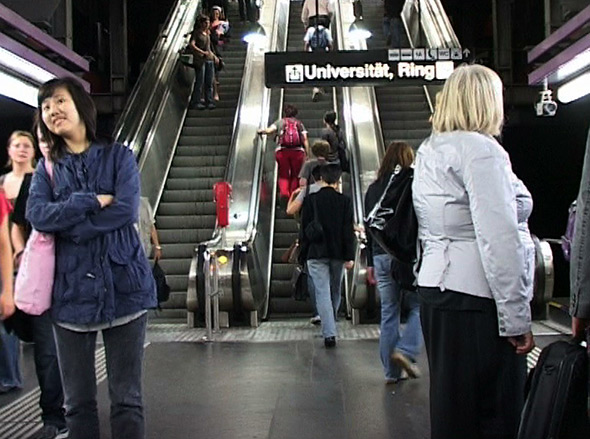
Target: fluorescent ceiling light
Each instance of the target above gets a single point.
(574, 65)
(574, 89)
(358, 31)
(18, 89)
(255, 34)
(13, 62)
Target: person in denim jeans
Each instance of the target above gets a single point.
(398, 351)
(204, 61)
(327, 255)
(103, 279)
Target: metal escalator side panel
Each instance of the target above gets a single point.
(249, 211)
(361, 121)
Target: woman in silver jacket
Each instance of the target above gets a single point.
(472, 280)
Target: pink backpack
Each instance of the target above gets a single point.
(34, 280)
(290, 136)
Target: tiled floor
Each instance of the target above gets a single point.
(273, 382)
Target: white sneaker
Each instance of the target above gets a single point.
(315, 320)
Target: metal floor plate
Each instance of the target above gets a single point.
(267, 332)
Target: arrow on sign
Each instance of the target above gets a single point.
(466, 53)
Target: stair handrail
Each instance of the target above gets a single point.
(245, 173)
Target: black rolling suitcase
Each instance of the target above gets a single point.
(556, 406)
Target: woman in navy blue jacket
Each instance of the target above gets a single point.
(102, 276)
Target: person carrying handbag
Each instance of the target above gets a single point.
(33, 295)
(327, 245)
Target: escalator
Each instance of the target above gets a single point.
(285, 231)
(404, 109)
(186, 213)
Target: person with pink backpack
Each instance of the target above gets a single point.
(292, 148)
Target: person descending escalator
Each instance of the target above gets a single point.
(204, 61)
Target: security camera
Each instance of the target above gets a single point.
(546, 106)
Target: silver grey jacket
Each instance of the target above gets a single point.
(465, 201)
(580, 252)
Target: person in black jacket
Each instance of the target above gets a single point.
(398, 351)
(327, 244)
(393, 27)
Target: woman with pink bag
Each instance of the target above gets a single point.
(32, 295)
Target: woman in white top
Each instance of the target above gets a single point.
(472, 280)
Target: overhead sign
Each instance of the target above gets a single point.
(359, 67)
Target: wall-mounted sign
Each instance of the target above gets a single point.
(359, 67)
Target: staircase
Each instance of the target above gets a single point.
(186, 214)
(403, 109)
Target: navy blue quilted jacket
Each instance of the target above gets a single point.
(101, 271)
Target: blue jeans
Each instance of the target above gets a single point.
(326, 275)
(311, 290)
(10, 377)
(393, 28)
(203, 82)
(124, 357)
(47, 369)
(408, 343)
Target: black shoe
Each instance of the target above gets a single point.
(330, 342)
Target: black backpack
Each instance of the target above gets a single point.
(556, 404)
(392, 222)
(393, 225)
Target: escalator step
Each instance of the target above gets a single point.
(199, 161)
(175, 266)
(203, 138)
(172, 196)
(205, 172)
(199, 150)
(184, 236)
(187, 222)
(178, 250)
(171, 209)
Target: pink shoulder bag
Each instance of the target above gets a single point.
(34, 280)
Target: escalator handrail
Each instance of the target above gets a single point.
(247, 233)
(437, 29)
(357, 195)
(133, 125)
(434, 22)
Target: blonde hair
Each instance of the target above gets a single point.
(15, 135)
(471, 100)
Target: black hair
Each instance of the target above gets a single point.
(84, 106)
(330, 173)
(330, 119)
(316, 172)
